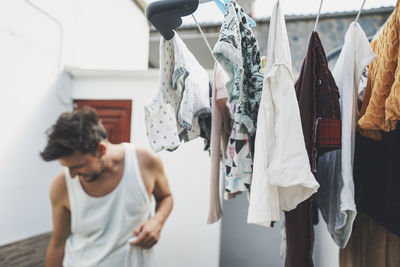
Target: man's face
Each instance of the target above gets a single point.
(86, 166)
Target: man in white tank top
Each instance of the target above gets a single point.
(102, 199)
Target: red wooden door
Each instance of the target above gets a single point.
(115, 116)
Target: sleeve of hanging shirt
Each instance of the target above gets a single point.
(282, 176)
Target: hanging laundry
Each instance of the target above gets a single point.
(183, 96)
(160, 114)
(238, 161)
(381, 106)
(238, 53)
(335, 168)
(282, 177)
(221, 127)
(376, 178)
(318, 98)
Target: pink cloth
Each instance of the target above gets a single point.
(221, 126)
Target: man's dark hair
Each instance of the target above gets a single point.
(80, 130)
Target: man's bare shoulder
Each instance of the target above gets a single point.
(58, 190)
(148, 160)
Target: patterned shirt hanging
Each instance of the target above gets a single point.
(238, 53)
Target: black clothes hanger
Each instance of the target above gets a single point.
(165, 15)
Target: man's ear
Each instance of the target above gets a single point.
(101, 149)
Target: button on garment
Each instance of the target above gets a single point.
(282, 176)
(335, 168)
(183, 96)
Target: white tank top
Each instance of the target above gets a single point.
(101, 226)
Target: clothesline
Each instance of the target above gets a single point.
(278, 2)
(273, 138)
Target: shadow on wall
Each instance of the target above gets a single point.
(245, 244)
(25, 179)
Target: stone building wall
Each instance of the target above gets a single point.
(248, 6)
(331, 28)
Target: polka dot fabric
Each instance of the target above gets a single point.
(161, 124)
(183, 95)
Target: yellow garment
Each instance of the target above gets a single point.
(381, 103)
(263, 63)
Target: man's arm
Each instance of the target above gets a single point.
(61, 222)
(148, 232)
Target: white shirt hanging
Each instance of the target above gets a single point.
(335, 168)
(282, 175)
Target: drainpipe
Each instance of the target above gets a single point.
(60, 54)
(62, 78)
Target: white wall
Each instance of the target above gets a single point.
(98, 34)
(326, 253)
(110, 34)
(186, 239)
(29, 103)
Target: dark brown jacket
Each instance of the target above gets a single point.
(318, 99)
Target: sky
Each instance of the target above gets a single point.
(208, 12)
